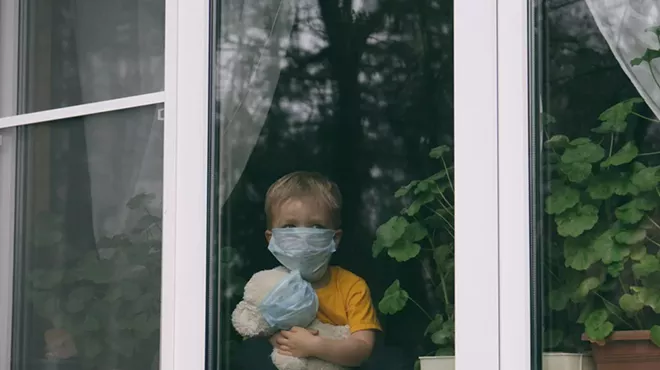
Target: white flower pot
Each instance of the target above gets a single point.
(551, 361)
(567, 361)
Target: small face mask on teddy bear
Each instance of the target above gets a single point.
(293, 302)
(307, 250)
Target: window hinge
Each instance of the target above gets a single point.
(161, 114)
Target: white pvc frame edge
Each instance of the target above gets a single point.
(8, 105)
(183, 315)
(514, 186)
(476, 185)
(7, 197)
(83, 110)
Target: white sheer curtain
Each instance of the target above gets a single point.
(120, 47)
(628, 26)
(254, 37)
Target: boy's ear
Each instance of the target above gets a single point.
(269, 234)
(338, 234)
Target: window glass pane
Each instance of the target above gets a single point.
(88, 250)
(78, 52)
(597, 233)
(361, 92)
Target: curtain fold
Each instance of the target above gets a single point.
(629, 27)
(251, 50)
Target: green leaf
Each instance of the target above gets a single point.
(648, 57)
(576, 172)
(577, 220)
(561, 199)
(648, 265)
(418, 203)
(584, 152)
(404, 250)
(389, 233)
(579, 256)
(586, 286)
(655, 335)
(435, 324)
(631, 237)
(439, 151)
(580, 141)
(585, 311)
(441, 330)
(629, 213)
(557, 142)
(415, 232)
(558, 299)
(637, 252)
(615, 268)
(625, 155)
(607, 249)
(630, 304)
(646, 179)
(441, 337)
(441, 254)
(614, 118)
(597, 325)
(623, 186)
(607, 127)
(649, 296)
(394, 299)
(601, 188)
(406, 189)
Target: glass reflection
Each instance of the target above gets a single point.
(597, 184)
(360, 91)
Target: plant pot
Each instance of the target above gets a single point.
(626, 350)
(437, 363)
(551, 361)
(55, 365)
(567, 361)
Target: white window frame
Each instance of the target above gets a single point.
(8, 104)
(491, 132)
(477, 300)
(514, 76)
(186, 96)
(492, 179)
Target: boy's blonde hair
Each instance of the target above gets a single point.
(305, 184)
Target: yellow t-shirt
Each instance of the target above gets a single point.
(346, 300)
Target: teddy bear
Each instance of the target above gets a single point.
(249, 320)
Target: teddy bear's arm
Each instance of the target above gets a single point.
(248, 321)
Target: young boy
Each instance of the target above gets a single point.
(303, 215)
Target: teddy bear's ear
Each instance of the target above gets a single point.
(248, 321)
(261, 283)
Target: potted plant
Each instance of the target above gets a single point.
(603, 199)
(101, 306)
(424, 231)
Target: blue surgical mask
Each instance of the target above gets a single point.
(293, 302)
(307, 250)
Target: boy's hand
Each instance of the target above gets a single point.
(297, 342)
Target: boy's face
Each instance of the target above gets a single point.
(301, 212)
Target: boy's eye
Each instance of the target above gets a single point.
(288, 226)
(317, 226)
